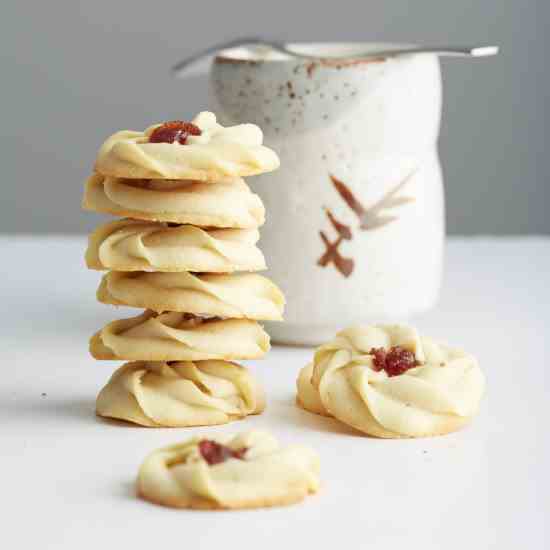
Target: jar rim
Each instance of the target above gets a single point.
(323, 50)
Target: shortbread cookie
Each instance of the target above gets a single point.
(238, 296)
(180, 394)
(307, 396)
(179, 337)
(249, 470)
(387, 381)
(131, 245)
(229, 204)
(202, 150)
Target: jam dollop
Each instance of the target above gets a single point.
(175, 130)
(216, 453)
(394, 361)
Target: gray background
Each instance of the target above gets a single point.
(72, 72)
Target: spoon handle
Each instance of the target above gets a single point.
(446, 51)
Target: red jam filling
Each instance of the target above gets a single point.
(394, 361)
(176, 130)
(216, 453)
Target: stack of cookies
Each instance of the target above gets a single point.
(185, 251)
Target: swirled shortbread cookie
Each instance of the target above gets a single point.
(249, 470)
(230, 204)
(238, 296)
(307, 396)
(201, 150)
(132, 245)
(387, 381)
(180, 394)
(179, 337)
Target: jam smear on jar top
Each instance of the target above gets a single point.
(175, 130)
(216, 453)
(394, 361)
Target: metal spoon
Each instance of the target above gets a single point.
(449, 51)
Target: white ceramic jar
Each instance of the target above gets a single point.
(355, 214)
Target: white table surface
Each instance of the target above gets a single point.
(67, 477)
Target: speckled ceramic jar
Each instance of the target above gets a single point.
(355, 216)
